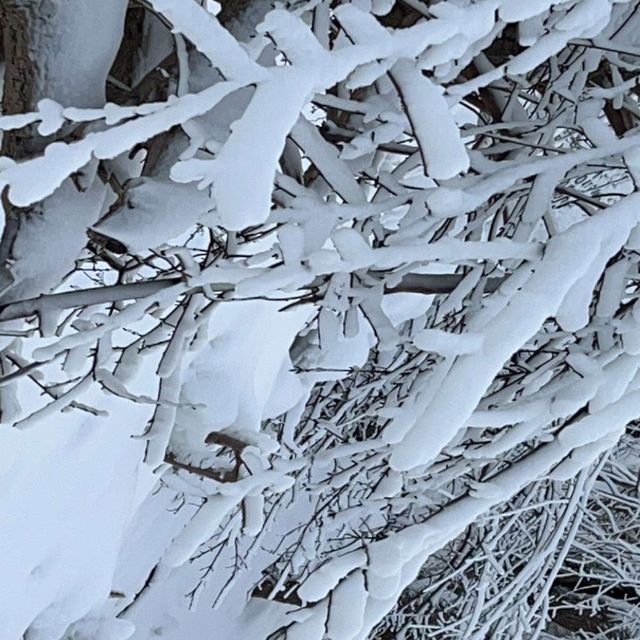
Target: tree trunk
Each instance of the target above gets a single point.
(61, 50)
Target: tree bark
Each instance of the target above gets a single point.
(61, 50)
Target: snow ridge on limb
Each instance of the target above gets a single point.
(444, 153)
(538, 298)
(204, 30)
(62, 159)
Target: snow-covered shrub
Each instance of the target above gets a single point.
(326, 313)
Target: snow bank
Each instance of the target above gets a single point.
(69, 511)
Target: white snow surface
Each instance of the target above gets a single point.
(243, 375)
(69, 513)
